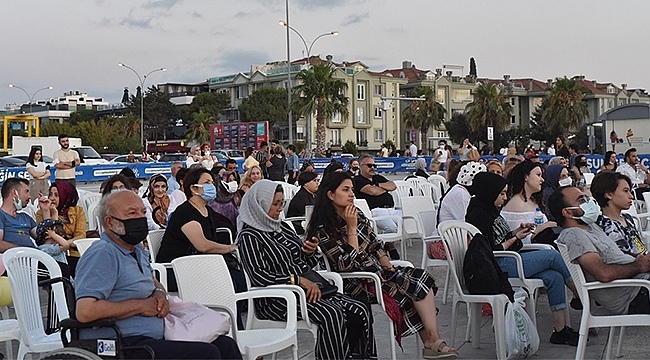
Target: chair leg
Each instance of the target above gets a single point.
(582, 341)
(468, 329)
(475, 310)
(294, 352)
(391, 333)
(610, 340)
(499, 322)
(619, 348)
(531, 309)
(444, 297)
(454, 320)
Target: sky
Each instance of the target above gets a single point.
(76, 44)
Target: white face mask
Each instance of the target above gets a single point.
(565, 182)
(231, 187)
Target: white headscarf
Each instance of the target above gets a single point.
(466, 175)
(255, 206)
(420, 164)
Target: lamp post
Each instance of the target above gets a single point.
(142, 80)
(308, 49)
(30, 97)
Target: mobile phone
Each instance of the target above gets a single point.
(532, 227)
(469, 147)
(315, 234)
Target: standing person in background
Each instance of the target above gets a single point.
(407, 151)
(262, 155)
(442, 154)
(131, 157)
(65, 161)
(172, 184)
(40, 173)
(293, 164)
(384, 150)
(413, 149)
(231, 166)
(250, 161)
(276, 164)
(464, 150)
(609, 161)
(561, 148)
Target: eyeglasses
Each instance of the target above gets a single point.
(371, 166)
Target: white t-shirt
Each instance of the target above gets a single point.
(413, 149)
(454, 204)
(442, 158)
(39, 168)
(514, 219)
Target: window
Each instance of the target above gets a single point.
(361, 91)
(459, 95)
(378, 112)
(379, 136)
(335, 135)
(622, 102)
(336, 118)
(442, 134)
(361, 116)
(362, 138)
(440, 98)
(513, 119)
(379, 90)
(300, 132)
(512, 101)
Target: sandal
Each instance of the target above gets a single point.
(436, 353)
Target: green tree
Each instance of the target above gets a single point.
(82, 115)
(212, 103)
(458, 129)
(321, 93)
(199, 128)
(350, 147)
(423, 114)
(265, 104)
(159, 111)
(566, 106)
(489, 108)
(472, 67)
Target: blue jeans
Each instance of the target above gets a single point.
(546, 265)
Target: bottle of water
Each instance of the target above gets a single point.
(539, 217)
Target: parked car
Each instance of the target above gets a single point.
(9, 161)
(219, 155)
(232, 154)
(89, 156)
(109, 157)
(46, 159)
(124, 159)
(173, 157)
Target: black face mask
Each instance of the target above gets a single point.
(354, 168)
(135, 230)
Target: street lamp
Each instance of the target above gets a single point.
(30, 97)
(308, 49)
(142, 80)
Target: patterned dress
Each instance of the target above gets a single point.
(270, 258)
(405, 286)
(626, 236)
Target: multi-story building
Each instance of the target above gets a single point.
(59, 108)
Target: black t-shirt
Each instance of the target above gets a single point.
(384, 200)
(276, 172)
(174, 243)
(297, 207)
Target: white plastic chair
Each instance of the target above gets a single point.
(589, 176)
(220, 293)
(432, 191)
(439, 181)
(84, 244)
(22, 269)
(455, 235)
(416, 182)
(588, 321)
(396, 236)
(92, 217)
(404, 189)
(154, 239)
(427, 222)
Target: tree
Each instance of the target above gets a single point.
(320, 93)
(489, 108)
(266, 104)
(566, 106)
(350, 147)
(458, 129)
(199, 128)
(212, 103)
(472, 67)
(82, 115)
(423, 114)
(159, 111)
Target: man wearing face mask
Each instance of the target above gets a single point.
(598, 255)
(114, 280)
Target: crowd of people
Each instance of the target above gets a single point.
(513, 202)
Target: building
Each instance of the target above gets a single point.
(59, 108)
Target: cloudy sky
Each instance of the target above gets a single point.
(76, 44)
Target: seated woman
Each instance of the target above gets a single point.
(347, 239)
(525, 188)
(613, 193)
(115, 182)
(453, 204)
(271, 253)
(609, 161)
(64, 207)
(191, 229)
(251, 176)
(577, 171)
(305, 196)
(227, 201)
(157, 200)
(420, 169)
(490, 192)
(494, 166)
(177, 196)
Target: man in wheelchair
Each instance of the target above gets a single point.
(114, 281)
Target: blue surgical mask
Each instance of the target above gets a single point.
(18, 204)
(590, 210)
(209, 191)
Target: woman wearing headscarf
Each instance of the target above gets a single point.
(490, 193)
(305, 196)
(347, 239)
(64, 199)
(555, 176)
(227, 200)
(420, 169)
(157, 200)
(271, 253)
(453, 204)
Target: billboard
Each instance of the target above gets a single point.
(239, 135)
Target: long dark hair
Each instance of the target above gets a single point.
(516, 180)
(32, 152)
(326, 216)
(606, 159)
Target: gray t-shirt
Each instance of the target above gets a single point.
(594, 240)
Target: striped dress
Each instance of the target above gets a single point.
(406, 285)
(270, 258)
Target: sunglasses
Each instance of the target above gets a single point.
(371, 166)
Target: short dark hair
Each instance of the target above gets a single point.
(275, 141)
(231, 161)
(108, 185)
(628, 152)
(291, 147)
(180, 174)
(62, 136)
(192, 178)
(604, 182)
(10, 184)
(574, 147)
(557, 202)
(263, 144)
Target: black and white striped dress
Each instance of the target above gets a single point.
(269, 258)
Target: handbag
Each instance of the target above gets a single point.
(522, 339)
(189, 321)
(326, 289)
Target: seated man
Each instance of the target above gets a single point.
(374, 189)
(17, 227)
(114, 280)
(598, 255)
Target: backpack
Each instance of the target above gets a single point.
(482, 273)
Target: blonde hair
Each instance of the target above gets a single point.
(246, 179)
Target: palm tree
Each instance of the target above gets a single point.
(199, 129)
(566, 106)
(489, 108)
(423, 114)
(320, 93)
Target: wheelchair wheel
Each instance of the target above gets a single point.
(70, 354)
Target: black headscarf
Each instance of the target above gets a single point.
(481, 211)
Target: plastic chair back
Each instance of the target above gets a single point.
(84, 244)
(154, 239)
(455, 236)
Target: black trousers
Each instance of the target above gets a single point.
(222, 348)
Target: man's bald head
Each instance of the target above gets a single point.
(111, 204)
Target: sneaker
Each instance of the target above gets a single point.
(566, 336)
(576, 304)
